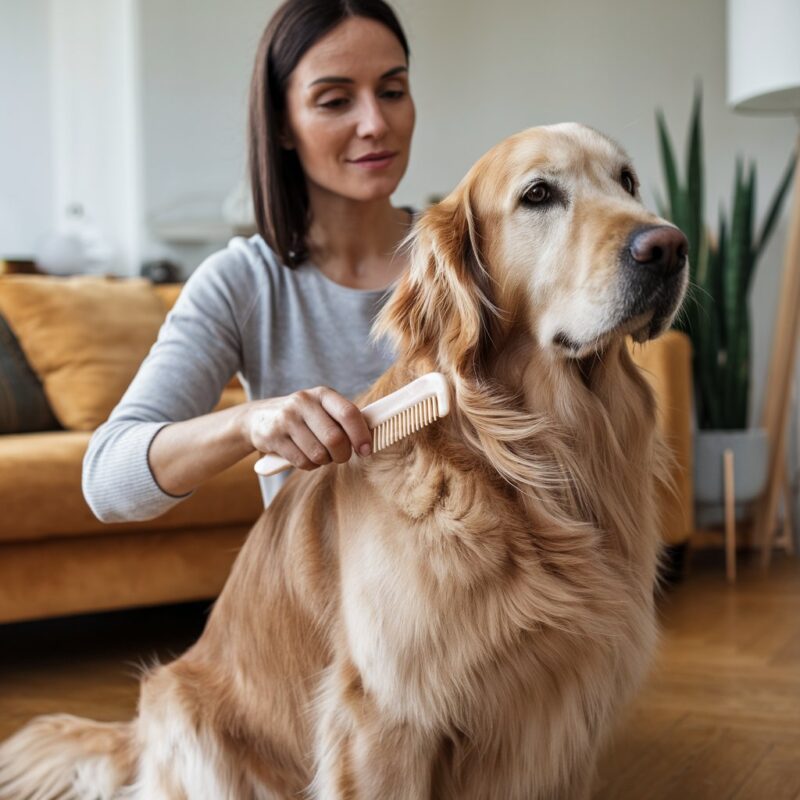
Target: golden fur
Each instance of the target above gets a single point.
(463, 614)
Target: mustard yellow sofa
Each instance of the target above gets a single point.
(57, 559)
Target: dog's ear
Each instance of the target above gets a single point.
(443, 308)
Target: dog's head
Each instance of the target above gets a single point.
(546, 231)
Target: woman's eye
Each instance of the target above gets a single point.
(393, 94)
(538, 194)
(337, 102)
(628, 182)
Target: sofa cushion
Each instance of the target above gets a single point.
(41, 497)
(84, 336)
(23, 404)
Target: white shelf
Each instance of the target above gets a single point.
(198, 231)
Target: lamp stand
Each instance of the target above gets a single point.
(777, 402)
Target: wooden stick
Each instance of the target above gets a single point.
(787, 541)
(730, 516)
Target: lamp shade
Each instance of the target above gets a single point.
(764, 55)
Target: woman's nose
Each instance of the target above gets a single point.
(372, 122)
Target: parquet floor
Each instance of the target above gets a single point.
(719, 718)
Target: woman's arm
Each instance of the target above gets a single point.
(309, 428)
(162, 440)
(185, 454)
(199, 348)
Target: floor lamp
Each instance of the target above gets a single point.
(764, 77)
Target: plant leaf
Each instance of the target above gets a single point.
(748, 255)
(668, 162)
(736, 269)
(775, 206)
(695, 192)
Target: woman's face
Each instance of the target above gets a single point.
(350, 115)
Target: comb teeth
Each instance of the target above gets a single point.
(405, 423)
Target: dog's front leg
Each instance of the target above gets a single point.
(361, 752)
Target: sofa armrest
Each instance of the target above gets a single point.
(667, 364)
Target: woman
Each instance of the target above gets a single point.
(330, 125)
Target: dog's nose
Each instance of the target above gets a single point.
(663, 248)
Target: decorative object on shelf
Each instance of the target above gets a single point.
(764, 76)
(161, 270)
(717, 319)
(77, 246)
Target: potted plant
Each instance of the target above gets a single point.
(716, 315)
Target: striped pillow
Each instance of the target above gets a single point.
(23, 405)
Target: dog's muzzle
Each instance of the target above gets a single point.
(654, 263)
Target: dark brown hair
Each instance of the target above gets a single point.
(280, 197)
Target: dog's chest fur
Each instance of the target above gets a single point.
(457, 606)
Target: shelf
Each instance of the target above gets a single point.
(198, 231)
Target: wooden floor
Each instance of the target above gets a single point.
(719, 718)
(720, 715)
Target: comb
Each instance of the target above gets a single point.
(391, 418)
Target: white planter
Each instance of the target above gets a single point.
(750, 464)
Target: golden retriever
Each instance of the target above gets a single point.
(463, 614)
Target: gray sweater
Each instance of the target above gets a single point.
(240, 312)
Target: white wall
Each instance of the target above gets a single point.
(197, 57)
(69, 122)
(25, 156)
(96, 122)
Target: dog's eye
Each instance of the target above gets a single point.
(538, 194)
(628, 182)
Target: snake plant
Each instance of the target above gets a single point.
(716, 314)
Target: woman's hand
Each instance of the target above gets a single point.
(309, 428)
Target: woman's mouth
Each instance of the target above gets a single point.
(377, 160)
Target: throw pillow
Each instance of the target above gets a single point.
(84, 336)
(23, 404)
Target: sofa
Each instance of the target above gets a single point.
(57, 559)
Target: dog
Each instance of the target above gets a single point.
(463, 614)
